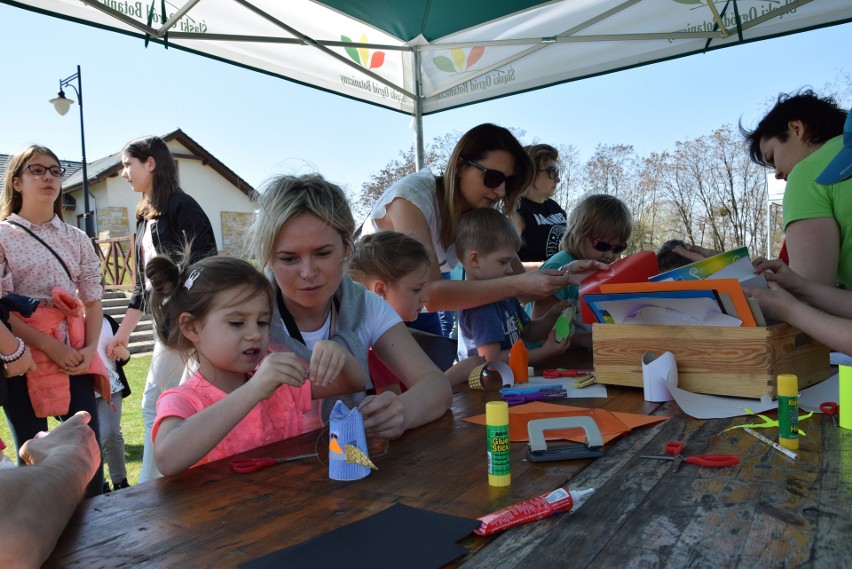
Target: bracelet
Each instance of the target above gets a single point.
(14, 356)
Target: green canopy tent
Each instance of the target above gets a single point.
(424, 56)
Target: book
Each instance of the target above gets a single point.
(704, 268)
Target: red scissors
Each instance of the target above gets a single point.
(246, 465)
(554, 373)
(831, 409)
(711, 460)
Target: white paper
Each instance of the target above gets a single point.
(656, 371)
(703, 406)
(669, 311)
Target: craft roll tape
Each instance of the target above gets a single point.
(507, 378)
(845, 399)
(345, 429)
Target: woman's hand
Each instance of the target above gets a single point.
(21, 365)
(277, 369)
(576, 271)
(327, 359)
(384, 415)
(778, 272)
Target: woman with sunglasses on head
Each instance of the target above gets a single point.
(540, 220)
(55, 263)
(598, 229)
(487, 168)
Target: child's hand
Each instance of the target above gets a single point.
(576, 271)
(115, 344)
(277, 369)
(119, 353)
(327, 359)
(550, 347)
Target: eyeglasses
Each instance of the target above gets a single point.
(493, 178)
(605, 246)
(552, 172)
(39, 170)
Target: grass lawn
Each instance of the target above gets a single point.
(132, 425)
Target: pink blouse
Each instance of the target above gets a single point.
(277, 418)
(28, 268)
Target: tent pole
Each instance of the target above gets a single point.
(417, 119)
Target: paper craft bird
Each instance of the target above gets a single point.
(352, 453)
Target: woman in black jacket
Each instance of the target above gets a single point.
(167, 221)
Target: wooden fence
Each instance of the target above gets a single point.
(117, 261)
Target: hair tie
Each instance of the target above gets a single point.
(190, 280)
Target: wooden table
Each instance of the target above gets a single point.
(768, 511)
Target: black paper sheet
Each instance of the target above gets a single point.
(400, 536)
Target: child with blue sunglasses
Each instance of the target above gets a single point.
(598, 229)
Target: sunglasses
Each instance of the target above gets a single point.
(605, 246)
(552, 172)
(493, 178)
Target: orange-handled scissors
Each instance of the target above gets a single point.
(712, 460)
(246, 465)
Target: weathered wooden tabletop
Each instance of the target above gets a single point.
(767, 511)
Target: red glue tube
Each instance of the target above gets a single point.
(560, 500)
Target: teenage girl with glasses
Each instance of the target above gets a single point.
(540, 220)
(55, 263)
(598, 229)
(487, 168)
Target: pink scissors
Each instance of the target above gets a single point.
(710, 460)
(246, 465)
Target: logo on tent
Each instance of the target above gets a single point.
(362, 55)
(459, 60)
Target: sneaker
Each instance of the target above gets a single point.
(107, 489)
(123, 484)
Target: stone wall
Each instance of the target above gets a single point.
(113, 222)
(235, 225)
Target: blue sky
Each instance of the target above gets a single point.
(260, 126)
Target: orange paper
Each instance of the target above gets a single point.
(612, 424)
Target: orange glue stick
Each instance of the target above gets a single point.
(519, 362)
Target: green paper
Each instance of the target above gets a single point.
(563, 326)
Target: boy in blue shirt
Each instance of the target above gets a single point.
(486, 244)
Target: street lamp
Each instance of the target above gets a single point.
(62, 104)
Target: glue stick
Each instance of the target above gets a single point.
(519, 362)
(788, 411)
(497, 431)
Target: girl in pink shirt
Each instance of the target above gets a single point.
(241, 397)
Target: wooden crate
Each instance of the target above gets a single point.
(741, 362)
